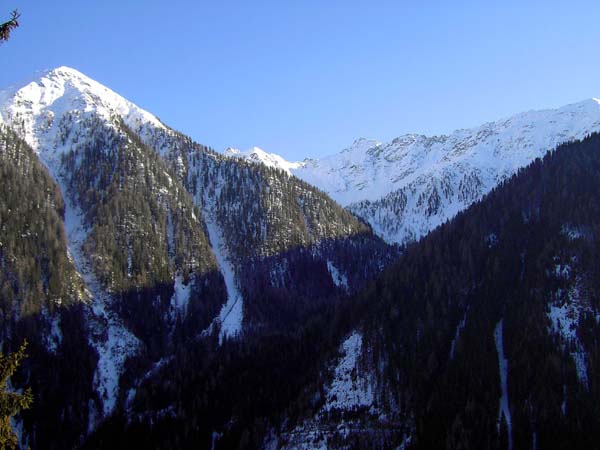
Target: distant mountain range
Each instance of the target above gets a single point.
(407, 187)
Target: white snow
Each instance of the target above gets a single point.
(232, 312)
(181, 295)
(171, 235)
(435, 177)
(459, 168)
(491, 240)
(43, 101)
(110, 338)
(258, 155)
(353, 386)
(349, 388)
(16, 421)
(34, 110)
(504, 409)
(403, 188)
(564, 319)
(338, 278)
(369, 169)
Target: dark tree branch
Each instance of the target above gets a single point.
(8, 26)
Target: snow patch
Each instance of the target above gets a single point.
(258, 155)
(214, 439)
(338, 278)
(350, 389)
(113, 342)
(564, 318)
(406, 441)
(231, 315)
(181, 295)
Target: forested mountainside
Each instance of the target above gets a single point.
(407, 187)
(195, 300)
(41, 293)
(36, 272)
(289, 245)
(149, 255)
(484, 334)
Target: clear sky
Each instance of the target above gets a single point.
(306, 78)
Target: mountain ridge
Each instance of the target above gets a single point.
(410, 185)
(208, 270)
(173, 242)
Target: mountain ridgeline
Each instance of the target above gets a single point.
(176, 297)
(408, 186)
(131, 249)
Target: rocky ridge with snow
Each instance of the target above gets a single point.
(407, 187)
(161, 231)
(258, 155)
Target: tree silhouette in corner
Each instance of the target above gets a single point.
(9, 25)
(11, 403)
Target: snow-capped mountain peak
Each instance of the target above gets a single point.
(369, 170)
(258, 155)
(39, 104)
(406, 187)
(361, 145)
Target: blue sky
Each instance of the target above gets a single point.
(306, 78)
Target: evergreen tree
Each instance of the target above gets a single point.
(9, 25)
(11, 402)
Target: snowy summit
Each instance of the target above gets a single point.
(43, 101)
(258, 155)
(407, 187)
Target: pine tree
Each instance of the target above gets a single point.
(11, 403)
(9, 25)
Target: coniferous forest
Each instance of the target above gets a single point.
(158, 294)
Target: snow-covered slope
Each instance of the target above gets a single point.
(36, 107)
(406, 187)
(258, 155)
(56, 114)
(368, 169)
